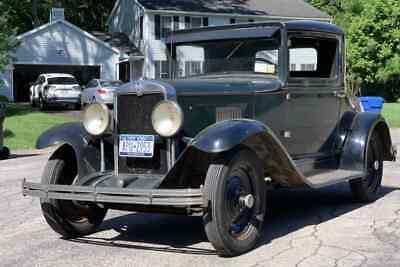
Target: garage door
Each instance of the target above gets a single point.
(26, 74)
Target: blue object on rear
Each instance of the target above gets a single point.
(372, 103)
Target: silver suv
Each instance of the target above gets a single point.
(56, 89)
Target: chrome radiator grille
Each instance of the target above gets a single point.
(134, 117)
(134, 113)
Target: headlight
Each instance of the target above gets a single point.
(167, 118)
(96, 119)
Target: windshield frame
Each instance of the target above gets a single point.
(280, 35)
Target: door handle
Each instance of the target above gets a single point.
(340, 94)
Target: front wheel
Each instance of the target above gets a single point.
(68, 218)
(366, 189)
(235, 192)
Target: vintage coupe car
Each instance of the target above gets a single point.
(249, 108)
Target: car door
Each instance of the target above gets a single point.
(314, 79)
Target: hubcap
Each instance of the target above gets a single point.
(240, 203)
(247, 201)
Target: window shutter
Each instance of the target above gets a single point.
(176, 23)
(157, 24)
(187, 23)
(205, 21)
(141, 27)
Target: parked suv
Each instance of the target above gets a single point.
(100, 91)
(56, 89)
(241, 117)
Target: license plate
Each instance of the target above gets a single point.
(136, 146)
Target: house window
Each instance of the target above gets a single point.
(195, 22)
(233, 21)
(193, 68)
(162, 69)
(163, 26)
(166, 26)
(292, 67)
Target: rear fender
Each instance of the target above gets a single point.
(86, 148)
(358, 137)
(227, 136)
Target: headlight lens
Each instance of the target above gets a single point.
(167, 118)
(96, 119)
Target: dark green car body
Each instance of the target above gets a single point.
(300, 124)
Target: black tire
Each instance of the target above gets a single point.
(33, 103)
(42, 104)
(4, 153)
(77, 106)
(367, 188)
(66, 217)
(231, 227)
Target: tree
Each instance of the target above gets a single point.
(373, 41)
(89, 15)
(7, 38)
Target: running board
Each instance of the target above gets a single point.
(332, 177)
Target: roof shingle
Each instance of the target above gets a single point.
(279, 8)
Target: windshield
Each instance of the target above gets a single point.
(111, 84)
(62, 80)
(259, 56)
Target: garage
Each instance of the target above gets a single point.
(24, 75)
(58, 47)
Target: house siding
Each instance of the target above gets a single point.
(62, 45)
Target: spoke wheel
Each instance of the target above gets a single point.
(367, 188)
(235, 192)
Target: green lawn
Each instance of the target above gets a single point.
(391, 112)
(24, 125)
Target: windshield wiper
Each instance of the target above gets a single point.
(234, 51)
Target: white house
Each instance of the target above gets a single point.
(57, 47)
(146, 22)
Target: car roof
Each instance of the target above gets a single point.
(253, 30)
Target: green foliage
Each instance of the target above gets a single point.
(373, 43)
(23, 125)
(90, 15)
(7, 38)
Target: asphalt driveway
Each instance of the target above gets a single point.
(303, 228)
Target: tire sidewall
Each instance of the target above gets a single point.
(53, 211)
(217, 191)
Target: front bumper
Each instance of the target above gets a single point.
(63, 100)
(150, 197)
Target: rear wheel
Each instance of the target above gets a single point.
(42, 104)
(367, 188)
(235, 192)
(68, 218)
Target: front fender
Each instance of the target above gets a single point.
(86, 148)
(356, 142)
(225, 136)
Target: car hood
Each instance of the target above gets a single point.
(212, 86)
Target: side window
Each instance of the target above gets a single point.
(312, 57)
